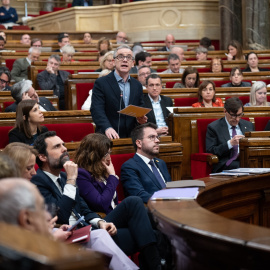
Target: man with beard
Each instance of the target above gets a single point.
(134, 230)
(144, 174)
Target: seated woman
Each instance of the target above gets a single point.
(27, 125)
(252, 63)
(104, 44)
(235, 51)
(207, 96)
(236, 78)
(67, 54)
(201, 54)
(216, 65)
(106, 62)
(24, 157)
(190, 79)
(258, 95)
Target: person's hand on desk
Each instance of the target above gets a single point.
(108, 226)
(235, 140)
(142, 120)
(111, 133)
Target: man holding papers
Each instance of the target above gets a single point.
(223, 135)
(113, 93)
(144, 174)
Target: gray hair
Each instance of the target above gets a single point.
(254, 88)
(119, 48)
(56, 57)
(34, 49)
(13, 201)
(19, 88)
(173, 56)
(201, 50)
(104, 72)
(68, 49)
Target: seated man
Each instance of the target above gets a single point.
(142, 59)
(236, 77)
(223, 135)
(24, 90)
(20, 67)
(121, 38)
(29, 212)
(174, 64)
(201, 54)
(158, 103)
(8, 15)
(25, 39)
(5, 78)
(36, 42)
(63, 39)
(170, 40)
(134, 227)
(54, 79)
(144, 174)
(143, 73)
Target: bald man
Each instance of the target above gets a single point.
(178, 51)
(169, 41)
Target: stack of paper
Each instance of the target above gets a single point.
(185, 183)
(176, 194)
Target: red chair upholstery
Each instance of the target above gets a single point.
(71, 132)
(9, 63)
(58, 8)
(118, 161)
(203, 70)
(219, 83)
(44, 12)
(260, 123)
(6, 104)
(21, 27)
(2, 27)
(171, 84)
(244, 99)
(4, 130)
(82, 92)
(201, 162)
(182, 102)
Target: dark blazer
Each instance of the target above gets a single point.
(163, 49)
(267, 127)
(51, 194)
(81, 3)
(164, 102)
(243, 84)
(15, 135)
(260, 69)
(134, 70)
(44, 102)
(217, 136)
(139, 180)
(20, 70)
(106, 104)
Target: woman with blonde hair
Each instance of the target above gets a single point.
(106, 62)
(68, 52)
(24, 157)
(258, 95)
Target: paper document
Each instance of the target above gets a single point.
(135, 111)
(249, 170)
(185, 183)
(227, 173)
(176, 194)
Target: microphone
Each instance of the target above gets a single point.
(121, 98)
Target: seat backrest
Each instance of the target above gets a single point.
(244, 99)
(4, 130)
(260, 123)
(82, 93)
(171, 84)
(182, 102)
(9, 63)
(71, 132)
(6, 104)
(118, 161)
(202, 128)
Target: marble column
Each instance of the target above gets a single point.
(230, 21)
(256, 34)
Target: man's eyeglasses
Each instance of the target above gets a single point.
(153, 137)
(234, 116)
(121, 57)
(145, 74)
(3, 81)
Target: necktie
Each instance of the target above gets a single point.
(61, 184)
(234, 152)
(157, 174)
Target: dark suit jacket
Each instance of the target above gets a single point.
(81, 3)
(217, 136)
(20, 70)
(106, 104)
(163, 49)
(44, 102)
(139, 180)
(164, 102)
(243, 84)
(51, 194)
(15, 135)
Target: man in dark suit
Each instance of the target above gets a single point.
(20, 66)
(24, 90)
(113, 93)
(54, 79)
(142, 59)
(223, 135)
(170, 40)
(158, 103)
(144, 174)
(236, 77)
(134, 227)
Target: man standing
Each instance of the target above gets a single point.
(60, 188)
(121, 38)
(113, 93)
(23, 90)
(143, 73)
(20, 67)
(25, 39)
(144, 174)
(223, 135)
(8, 15)
(142, 59)
(54, 79)
(170, 40)
(158, 103)
(174, 64)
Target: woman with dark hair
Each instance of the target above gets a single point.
(104, 44)
(28, 120)
(207, 96)
(216, 65)
(253, 63)
(235, 51)
(190, 79)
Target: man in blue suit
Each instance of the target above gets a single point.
(144, 174)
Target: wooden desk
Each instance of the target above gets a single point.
(203, 232)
